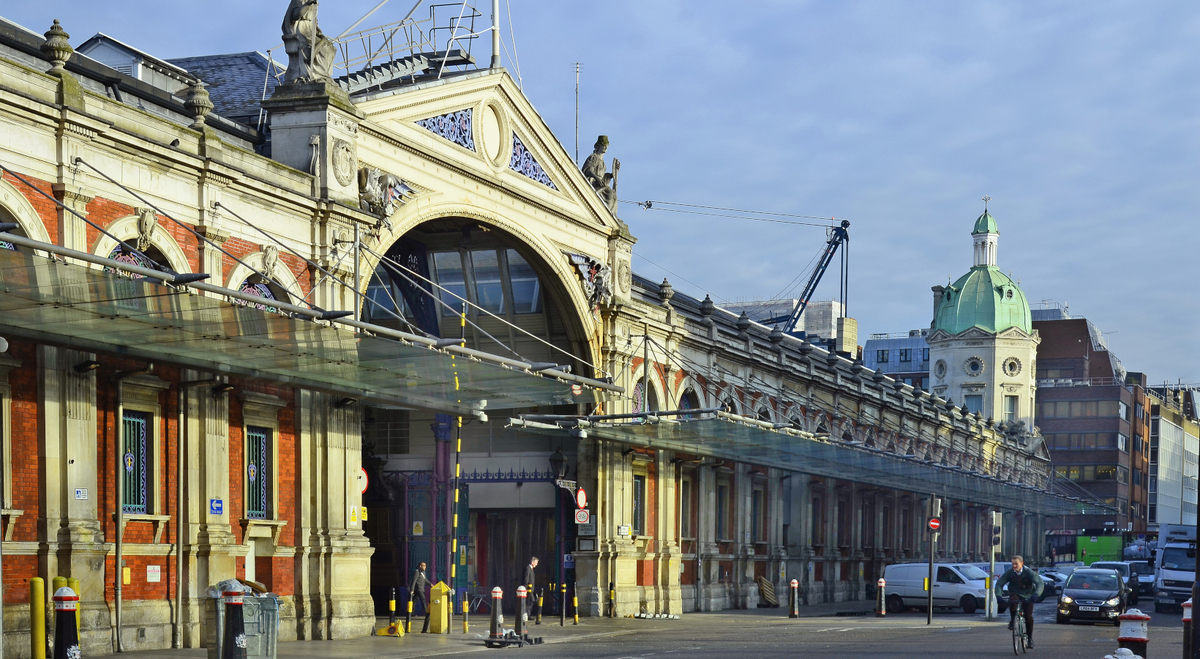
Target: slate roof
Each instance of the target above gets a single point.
(235, 82)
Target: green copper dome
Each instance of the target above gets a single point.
(985, 224)
(985, 298)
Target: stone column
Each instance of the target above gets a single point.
(69, 528)
(72, 231)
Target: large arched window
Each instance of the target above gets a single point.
(260, 286)
(639, 399)
(689, 401)
(151, 258)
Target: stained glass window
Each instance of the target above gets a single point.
(135, 441)
(258, 473)
(256, 287)
(639, 398)
(132, 258)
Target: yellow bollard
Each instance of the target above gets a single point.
(466, 608)
(408, 617)
(37, 617)
(73, 584)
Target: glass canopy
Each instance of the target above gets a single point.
(727, 436)
(87, 308)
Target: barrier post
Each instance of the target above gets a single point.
(73, 584)
(466, 607)
(538, 620)
(562, 609)
(392, 609)
(1133, 634)
(880, 600)
(66, 629)
(1187, 629)
(408, 615)
(234, 645)
(37, 617)
(496, 636)
(612, 599)
(794, 599)
(574, 602)
(519, 625)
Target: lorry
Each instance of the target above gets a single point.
(1174, 566)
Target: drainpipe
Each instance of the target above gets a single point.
(495, 34)
(180, 436)
(119, 379)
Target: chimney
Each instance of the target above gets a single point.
(937, 299)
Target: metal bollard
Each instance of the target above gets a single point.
(575, 601)
(497, 633)
(1133, 634)
(562, 609)
(1123, 653)
(1187, 629)
(408, 615)
(612, 599)
(66, 627)
(73, 584)
(880, 600)
(37, 617)
(538, 621)
(466, 609)
(794, 599)
(519, 625)
(234, 645)
(392, 609)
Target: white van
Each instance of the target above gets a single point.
(954, 585)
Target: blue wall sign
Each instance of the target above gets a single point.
(216, 507)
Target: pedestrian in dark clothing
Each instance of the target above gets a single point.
(416, 591)
(1024, 588)
(530, 598)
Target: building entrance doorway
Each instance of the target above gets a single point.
(505, 540)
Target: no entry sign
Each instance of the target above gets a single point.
(581, 498)
(934, 524)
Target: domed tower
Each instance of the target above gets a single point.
(982, 346)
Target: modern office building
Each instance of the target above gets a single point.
(1173, 449)
(903, 356)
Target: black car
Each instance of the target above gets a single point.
(1092, 594)
(1127, 572)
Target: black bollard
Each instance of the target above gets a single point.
(496, 636)
(519, 625)
(538, 620)
(612, 599)
(234, 646)
(392, 609)
(575, 601)
(562, 608)
(794, 600)
(1187, 629)
(408, 615)
(881, 601)
(66, 630)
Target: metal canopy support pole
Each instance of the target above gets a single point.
(357, 277)
(646, 369)
(992, 603)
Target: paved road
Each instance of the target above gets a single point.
(905, 636)
(756, 633)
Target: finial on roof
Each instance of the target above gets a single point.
(743, 322)
(707, 306)
(986, 199)
(197, 103)
(57, 48)
(666, 292)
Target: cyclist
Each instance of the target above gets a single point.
(1024, 586)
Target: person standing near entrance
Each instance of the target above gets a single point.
(416, 591)
(527, 581)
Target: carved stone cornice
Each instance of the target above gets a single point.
(69, 196)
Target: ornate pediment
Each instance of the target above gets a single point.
(457, 127)
(523, 163)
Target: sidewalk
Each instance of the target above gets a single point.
(426, 645)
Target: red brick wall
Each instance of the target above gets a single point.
(26, 460)
(46, 209)
(17, 572)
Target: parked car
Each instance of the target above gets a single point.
(1092, 594)
(1054, 581)
(954, 585)
(1124, 569)
(1145, 576)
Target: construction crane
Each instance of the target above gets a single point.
(837, 236)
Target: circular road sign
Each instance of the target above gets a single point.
(581, 498)
(935, 524)
(365, 481)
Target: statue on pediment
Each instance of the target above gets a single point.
(310, 52)
(596, 173)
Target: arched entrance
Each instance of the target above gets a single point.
(518, 305)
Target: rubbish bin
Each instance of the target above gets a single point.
(439, 608)
(262, 625)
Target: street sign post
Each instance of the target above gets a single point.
(935, 524)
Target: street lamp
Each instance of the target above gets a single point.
(558, 464)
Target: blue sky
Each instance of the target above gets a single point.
(1079, 119)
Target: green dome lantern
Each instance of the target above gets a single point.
(984, 297)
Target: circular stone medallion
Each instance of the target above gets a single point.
(939, 369)
(1012, 367)
(343, 162)
(973, 366)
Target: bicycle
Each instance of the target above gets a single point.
(1020, 636)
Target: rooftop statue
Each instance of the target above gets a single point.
(596, 173)
(310, 52)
